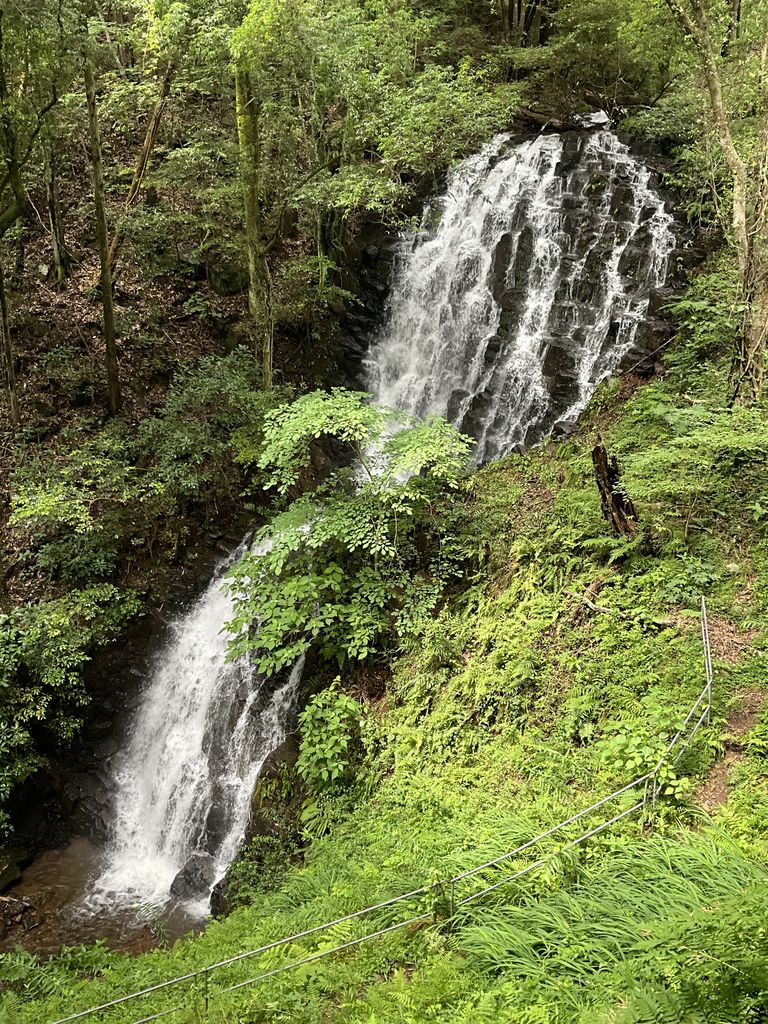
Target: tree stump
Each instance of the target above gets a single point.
(617, 506)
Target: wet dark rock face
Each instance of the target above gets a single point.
(11, 860)
(196, 876)
(276, 817)
(372, 270)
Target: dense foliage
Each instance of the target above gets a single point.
(483, 657)
(339, 564)
(558, 665)
(87, 516)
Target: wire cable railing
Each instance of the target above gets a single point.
(650, 783)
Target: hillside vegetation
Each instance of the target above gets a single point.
(554, 671)
(188, 190)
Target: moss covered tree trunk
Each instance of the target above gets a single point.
(749, 205)
(259, 278)
(61, 260)
(9, 369)
(748, 369)
(113, 379)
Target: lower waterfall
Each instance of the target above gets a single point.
(502, 317)
(184, 780)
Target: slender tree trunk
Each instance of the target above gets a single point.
(20, 263)
(504, 12)
(533, 28)
(259, 278)
(748, 365)
(10, 148)
(126, 54)
(516, 21)
(732, 32)
(696, 25)
(61, 261)
(142, 161)
(113, 380)
(8, 356)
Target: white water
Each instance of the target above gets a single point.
(183, 782)
(478, 307)
(506, 316)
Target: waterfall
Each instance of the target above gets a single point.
(184, 780)
(528, 291)
(504, 315)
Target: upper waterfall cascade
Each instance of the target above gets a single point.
(503, 317)
(527, 293)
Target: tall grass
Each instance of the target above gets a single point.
(658, 928)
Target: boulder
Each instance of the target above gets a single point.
(227, 278)
(194, 878)
(219, 902)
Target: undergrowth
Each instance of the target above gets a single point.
(553, 669)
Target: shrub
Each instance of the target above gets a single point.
(333, 568)
(43, 648)
(329, 726)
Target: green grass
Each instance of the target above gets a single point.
(512, 707)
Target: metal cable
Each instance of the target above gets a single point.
(157, 1016)
(551, 831)
(702, 718)
(244, 956)
(349, 917)
(401, 924)
(540, 863)
(422, 890)
(325, 952)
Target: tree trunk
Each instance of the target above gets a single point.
(10, 148)
(533, 25)
(142, 162)
(20, 263)
(504, 12)
(748, 228)
(8, 356)
(516, 21)
(617, 507)
(259, 278)
(113, 380)
(732, 32)
(61, 262)
(748, 368)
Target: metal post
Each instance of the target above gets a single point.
(205, 993)
(644, 816)
(707, 656)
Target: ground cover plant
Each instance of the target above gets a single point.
(553, 668)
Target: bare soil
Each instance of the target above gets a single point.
(714, 791)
